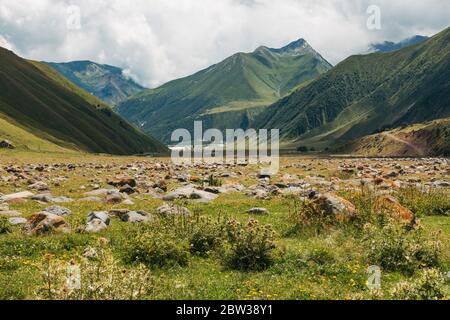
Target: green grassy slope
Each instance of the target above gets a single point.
(47, 105)
(228, 93)
(430, 139)
(365, 94)
(25, 140)
(103, 81)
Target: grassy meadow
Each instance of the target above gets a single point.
(222, 252)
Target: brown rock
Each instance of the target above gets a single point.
(120, 182)
(387, 204)
(330, 204)
(45, 223)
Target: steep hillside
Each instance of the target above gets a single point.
(228, 94)
(42, 102)
(423, 139)
(107, 83)
(365, 94)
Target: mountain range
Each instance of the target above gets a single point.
(394, 101)
(226, 95)
(366, 94)
(107, 83)
(389, 46)
(40, 109)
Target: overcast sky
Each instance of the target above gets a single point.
(160, 40)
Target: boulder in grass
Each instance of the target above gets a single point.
(330, 204)
(258, 211)
(122, 181)
(16, 196)
(15, 221)
(97, 221)
(388, 205)
(6, 144)
(39, 186)
(45, 223)
(168, 210)
(99, 215)
(190, 192)
(59, 211)
(95, 226)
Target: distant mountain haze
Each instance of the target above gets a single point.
(388, 46)
(107, 83)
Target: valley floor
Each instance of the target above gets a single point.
(206, 244)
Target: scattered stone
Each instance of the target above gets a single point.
(258, 211)
(127, 189)
(168, 210)
(91, 199)
(18, 195)
(128, 202)
(39, 186)
(99, 215)
(190, 192)
(47, 198)
(90, 253)
(120, 182)
(45, 223)
(265, 175)
(114, 198)
(441, 184)
(15, 221)
(98, 192)
(95, 226)
(6, 144)
(59, 211)
(135, 217)
(330, 204)
(389, 205)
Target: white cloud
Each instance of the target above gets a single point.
(159, 40)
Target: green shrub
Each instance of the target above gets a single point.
(100, 278)
(214, 182)
(395, 249)
(320, 256)
(423, 203)
(429, 285)
(205, 237)
(5, 226)
(155, 247)
(251, 244)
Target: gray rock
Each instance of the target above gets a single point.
(91, 199)
(99, 215)
(168, 210)
(258, 211)
(59, 211)
(47, 197)
(137, 217)
(95, 226)
(17, 221)
(99, 192)
(39, 186)
(441, 184)
(18, 195)
(44, 223)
